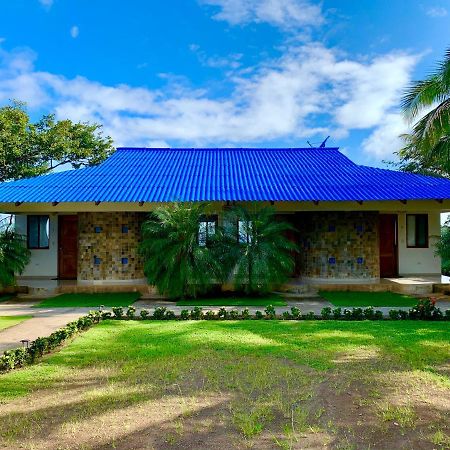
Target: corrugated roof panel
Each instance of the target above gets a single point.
(162, 175)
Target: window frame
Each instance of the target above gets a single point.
(207, 219)
(39, 246)
(416, 231)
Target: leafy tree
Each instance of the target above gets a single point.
(14, 256)
(29, 149)
(174, 260)
(255, 249)
(427, 148)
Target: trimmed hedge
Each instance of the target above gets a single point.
(425, 310)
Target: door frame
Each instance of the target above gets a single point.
(59, 248)
(396, 243)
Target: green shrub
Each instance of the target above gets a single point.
(223, 313)
(196, 313)
(145, 314)
(394, 314)
(296, 313)
(337, 313)
(326, 313)
(426, 310)
(245, 314)
(234, 314)
(309, 316)
(210, 315)
(170, 315)
(159, 313)
(259, 315)
(106, 315)
(286, 315)
(369, 313)
(270, 312)
(117, 312)
(184, 314)
(131, 312)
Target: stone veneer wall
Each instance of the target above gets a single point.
(108, 246)
(341, 245)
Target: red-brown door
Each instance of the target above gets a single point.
(67, 247)
(388, 245)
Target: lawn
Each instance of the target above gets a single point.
(365, 299)
(274, 300)
(90, 300)
(9, 321)
(245, 384)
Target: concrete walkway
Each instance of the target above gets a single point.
(47, 320)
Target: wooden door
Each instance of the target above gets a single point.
(388, 246)
(68, 247)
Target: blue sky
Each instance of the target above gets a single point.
(224, 72)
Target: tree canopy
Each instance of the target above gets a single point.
(427, 148)
(29, 149)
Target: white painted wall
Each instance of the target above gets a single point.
(43, 263)
(419, 261)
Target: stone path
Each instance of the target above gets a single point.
(47, 320)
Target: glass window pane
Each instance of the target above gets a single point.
(33, 237)
(411, 230)
(422, 230)
(202, 234)
(44, 223)
(242, 232)
(211, 228)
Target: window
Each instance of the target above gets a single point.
(38, 232)
(417, 230)
(244, 231)
(206, 229)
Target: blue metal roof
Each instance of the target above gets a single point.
(241, 174)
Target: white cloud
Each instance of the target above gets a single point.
(74, 31)
(46, 3)
(310, 91)
(280, 13)
(436, 11)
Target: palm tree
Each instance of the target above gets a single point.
(427, 148)
(175, 261)
(256, 250)
(14, 256)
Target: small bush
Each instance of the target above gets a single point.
(369, 313)
(425, 310)
(117, 312)
(210, 315)
(234, 314)
(296, 313)
(106, 315)
(378, 315)
(170, 315)
(357, 314)
(184, 314)
(337, 313)
(196, 313)
(159, 313)
(326, 313)
(259, 315)
(223, 313)
(309, 316)
(394, 314)
(347, 314)
(270, 312)
(145, 314)
(245, 314)
(131, 312)
(286, 315)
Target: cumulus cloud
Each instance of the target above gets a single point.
(310, 91)
(280, 13)
(436, 11)
(74, 31)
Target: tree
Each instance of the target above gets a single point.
(174, 259)
(14, 256)
(256, 250)
(427, 148)
(29, 149)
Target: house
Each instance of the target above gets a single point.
(355, 223)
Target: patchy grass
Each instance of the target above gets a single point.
(274, 300)
(10, 321)
(366, 299)
(235, 384)
(90, 300)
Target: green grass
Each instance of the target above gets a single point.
(274, 300)
(253, 372)
(365, 299)
(90, 300)
(9, 321)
